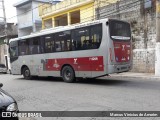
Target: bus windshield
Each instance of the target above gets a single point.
(119, 30)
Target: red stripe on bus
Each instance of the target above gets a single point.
(79, 64)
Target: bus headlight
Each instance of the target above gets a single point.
(12, 107)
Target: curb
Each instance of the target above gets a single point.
(136, 77)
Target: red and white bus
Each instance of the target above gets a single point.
(87, 50)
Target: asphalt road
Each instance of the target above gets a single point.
(105, 94)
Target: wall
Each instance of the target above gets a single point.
(24, 20)
(11, 33)
(35, 11)
(143, 30)
(29, 20)
(86, 8)
(24, 15)
(87, 13)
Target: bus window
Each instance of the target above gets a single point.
(63, 41)
(13, 49)
(119, 30)
(34, 45)
(23, 47)
(81, 38)
(42, 44)
(58, 47)
(96, 36)
(66, 40)
(49, 44)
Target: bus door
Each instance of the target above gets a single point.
(14, 56)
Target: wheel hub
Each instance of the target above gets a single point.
(27, 73)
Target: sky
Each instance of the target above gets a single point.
(10, 10)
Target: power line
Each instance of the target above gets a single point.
(122, 7)
(26, 11)
(33, 9)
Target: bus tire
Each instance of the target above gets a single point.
(26, 73)
(68, 74)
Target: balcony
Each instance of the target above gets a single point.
(63, 6)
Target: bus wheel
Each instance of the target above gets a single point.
(26, 73)
(68, 74)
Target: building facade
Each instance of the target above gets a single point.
(28, 17)
(67, 12)
(142, 16)
(5, 36)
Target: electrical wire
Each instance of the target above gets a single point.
(33, 9)
(121, 8)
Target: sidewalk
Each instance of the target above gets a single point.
(136, 75)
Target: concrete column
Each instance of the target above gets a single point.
(157, 49)
(53, 22)
(69, 18)
(157, 61)
(34, 26)
(43, 24)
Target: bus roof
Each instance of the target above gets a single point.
(59, 29)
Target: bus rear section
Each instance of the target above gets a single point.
(120, 48)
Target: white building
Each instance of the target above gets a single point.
(11, 32)
(28, 16)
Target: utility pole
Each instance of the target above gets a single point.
(6, 36)
(157, 48)
(4, 17)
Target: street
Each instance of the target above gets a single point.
(104, 94)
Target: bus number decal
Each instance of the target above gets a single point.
(93, 58)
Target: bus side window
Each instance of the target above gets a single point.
(96, 36)
(34, 45)
(23, 47)
(72, 45)
(67, 40)
(63, 41)
(13, 49)
(41, 44)
(80, 37)
(58, 46)
(49, 43)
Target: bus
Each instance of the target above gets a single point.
(87, 50)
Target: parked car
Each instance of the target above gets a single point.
(7, 104)
(3, 68)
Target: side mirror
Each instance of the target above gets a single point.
(1, 85)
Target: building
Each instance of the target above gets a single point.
(67, 12)
(28, 16)
(142, 16)
(70, 12)
(4, 39)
